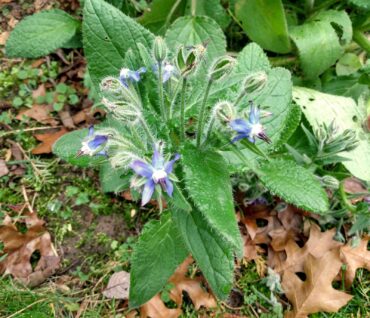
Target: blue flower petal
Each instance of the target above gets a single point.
(97, 141)
(166, 76)
(91, 130)
(134, 76)
(147, 192)
(123, 81)
(240, 126)
(254, 115)
(141, 168)
(238, 137)
(169, 187)
(141, 70)
(169, 165)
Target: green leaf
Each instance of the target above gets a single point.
(163, 12)
(107, 35)
(41, 34)
(196, 30)
(210, 250)
(113, 180)
(159, 251)
(294, 184)
(363, 4)
(312, 36)
(208, 184)
(265, 23)
(320, 109)
(348, 64)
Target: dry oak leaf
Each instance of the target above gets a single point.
(19, 248)
(317, 245)
(40, 113)
(354, 258)
(193, 287)
(118, 286)
(316, 292)
(48, 141)
(155, 308)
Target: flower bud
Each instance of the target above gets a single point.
(255, 82)
(159, 49)
(110, 84)
(330, 182)
(224, 111)
(221, 67)
(186, 60)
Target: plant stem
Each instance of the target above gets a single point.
(202, 113)
(174, 97)
(182, 110)
(193, 7)
(147, 130)
(283, 60)
(344, 199)
(362, 40)
(160, 88)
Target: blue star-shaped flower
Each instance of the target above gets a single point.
(93, 144)
(168, 71)
(127, 75)
(156, 173)
(251, 128)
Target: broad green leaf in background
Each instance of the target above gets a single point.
(363, 4)
(107, 35)
(294, 184)
(159, 251)
(196, 30)
(163, 12)
(113, 180)
(265, 23)
(320, 109)
(208, 183)
(318, 33)
(348, 64)
(210, 250)
(41, 34)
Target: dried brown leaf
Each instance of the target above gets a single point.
(354, 258)
(317, 245)
(3, 37)
(39, 91)
(118, 286)
(155, 308)
(193, 287)
(354, 186)
(40, 113)
(48, 141)
(19, 248)
(316, 292)
(3, 168)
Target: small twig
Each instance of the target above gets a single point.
(27, 307)
(27, 129)
(25, 196)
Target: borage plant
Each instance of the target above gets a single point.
(182, 116)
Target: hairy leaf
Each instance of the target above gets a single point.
(320, 109)
(41, 34)
(209, 248)
(107, 35)
(113, 180)
(208, 184)
(159, 251)
(265, 23)
(294, 184)
(196, 30)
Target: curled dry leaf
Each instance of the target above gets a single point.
(354, 258)
(19, 247)
(118, 286)
(316, 292)
(155, 308)
(193, 287)
(48, 141)
(317, 245)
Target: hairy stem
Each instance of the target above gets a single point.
(147, 130)
(343, 197)
(160, 89)
(202, 113)
(182, 110)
